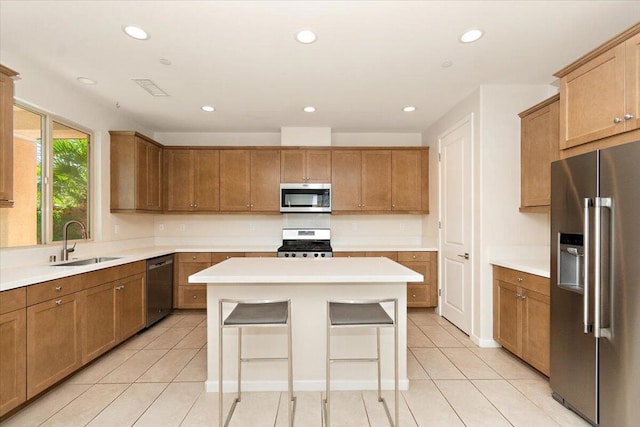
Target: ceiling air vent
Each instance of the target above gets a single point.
(150, 86)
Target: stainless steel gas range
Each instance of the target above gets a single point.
(305, 243)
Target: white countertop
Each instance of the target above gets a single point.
(539, 267)
(299, 270)
(15, 277)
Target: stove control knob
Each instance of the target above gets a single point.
(322, 255)
(304, 255)
(286, 255)
(293, 255)
(315, 255)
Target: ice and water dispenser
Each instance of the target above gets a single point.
(571, 262)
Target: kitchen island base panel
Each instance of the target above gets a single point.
(308, 316)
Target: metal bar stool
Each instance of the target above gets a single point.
(254, 313)
(359, 314)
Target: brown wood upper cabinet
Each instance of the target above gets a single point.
(539, 147)
(380, 180)
(192, 180)
(6, 136)
(361, 180)
(299, 165)
(410, 180)
(249, 180)
(136, 168)
(599, 93)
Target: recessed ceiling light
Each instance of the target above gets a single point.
(446, 64)
(208, 108)
(135, 32)
(409, 109)
(306, 36)
(471, 35)
(87, 81)
(309, 109)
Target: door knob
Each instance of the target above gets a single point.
(465, 256)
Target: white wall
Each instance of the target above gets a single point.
(499, 229)
(338, 139)
(72, 102)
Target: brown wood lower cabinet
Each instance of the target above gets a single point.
(53, 341)
(521, 315)
(130, 306)
(51, 329)
(425, 293)
(188, 296)
(13, 359)
(99, 323)
(419, 294)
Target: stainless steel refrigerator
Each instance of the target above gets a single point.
(595, 285)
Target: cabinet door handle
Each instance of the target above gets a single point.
(628, 116)
(519, 279)
(195, 297)
(59, 302)
(58, 288)
(194, 257)
(617, 120)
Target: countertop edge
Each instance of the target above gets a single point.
(537, 267)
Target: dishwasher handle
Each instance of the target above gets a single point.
(160, 264)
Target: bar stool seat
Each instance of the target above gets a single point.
(254, 313)
(343, 314)
(249, 314)
(365, 314)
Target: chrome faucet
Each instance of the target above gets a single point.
(65, 228)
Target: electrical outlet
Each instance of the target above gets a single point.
(161, 227)
(252, 226)
(183, 227)
(116, 228)
(402, 226)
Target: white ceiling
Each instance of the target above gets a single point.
(371, 58)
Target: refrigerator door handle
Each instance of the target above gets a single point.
(600, 202)
(588, 203)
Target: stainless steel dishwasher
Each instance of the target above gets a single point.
(159, 288)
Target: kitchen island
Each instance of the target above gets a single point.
(309, 283)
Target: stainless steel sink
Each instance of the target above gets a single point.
(88, 261)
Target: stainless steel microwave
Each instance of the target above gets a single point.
(305, 198)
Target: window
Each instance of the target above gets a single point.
(51, 180)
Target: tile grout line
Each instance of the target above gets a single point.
(450, 404)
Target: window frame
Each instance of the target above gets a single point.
(48, 118)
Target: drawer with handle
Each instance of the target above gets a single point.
(414, 256)
(53, 289)
(193, 296)
(417, 296)
(194, 257)
(530, 281)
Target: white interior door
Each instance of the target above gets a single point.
(455, 229)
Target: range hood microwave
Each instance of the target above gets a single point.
(305, 198)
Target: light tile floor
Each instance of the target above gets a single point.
(156, 379)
